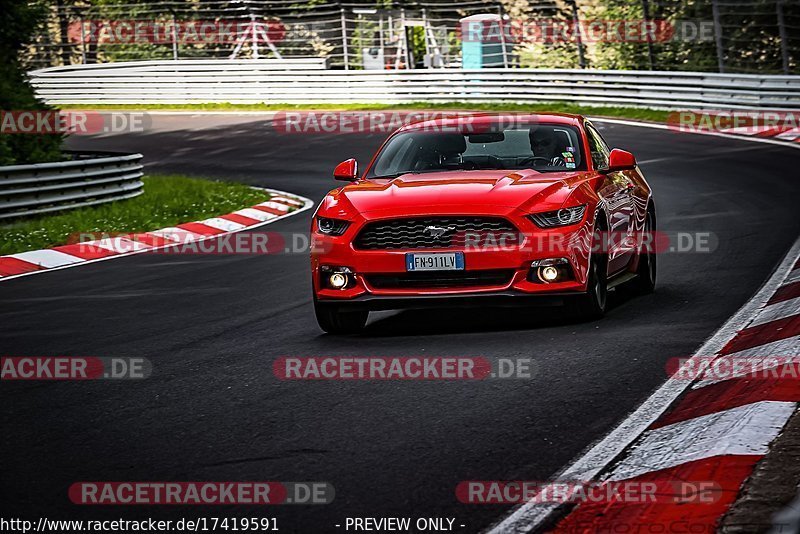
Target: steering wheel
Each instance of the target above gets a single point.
(494, 161)
(532, 160)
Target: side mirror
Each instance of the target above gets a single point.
(620, 160)
(346, 170)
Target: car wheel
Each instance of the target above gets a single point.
(645, 281)
(333, 320)
(592, 304)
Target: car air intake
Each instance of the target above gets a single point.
(436, 232)
(440, 279)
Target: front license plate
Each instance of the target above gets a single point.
(449, 261)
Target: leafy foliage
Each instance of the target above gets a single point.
(20, 20)
(166, 201)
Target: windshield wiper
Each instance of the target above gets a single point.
(393, 175)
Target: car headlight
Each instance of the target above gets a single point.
(331, 226)
(562, 217)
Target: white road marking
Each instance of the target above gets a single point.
(255, 214)
(779, 310)
(223, 224)
(743, 430)
(794, 276)
(790, 135)
(269, 115)
(745, 130)
(659, 126)
(784, 348)
(118, 244)
(598, 457)
(656, 160)
(47, 258)
(274, 205)
(175, 234)
(287, 200)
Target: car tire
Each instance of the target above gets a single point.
(333, 320)
(592, 304)
(645, 281)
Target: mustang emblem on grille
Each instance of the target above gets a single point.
(437, 232)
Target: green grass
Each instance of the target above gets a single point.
(645, 114)
(167, 200)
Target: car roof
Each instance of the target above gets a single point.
(454, 119)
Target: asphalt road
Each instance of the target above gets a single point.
(212, 326)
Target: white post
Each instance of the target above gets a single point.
(406, 55)
(380, 38)
(254, 31)
(83, 42)
(718, 36)
(502, 28)
(174, 38)
(344, 42)
(425, 33)
(782, 33)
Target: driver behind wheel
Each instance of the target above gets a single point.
(545, 144)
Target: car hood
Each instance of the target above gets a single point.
(412, 193)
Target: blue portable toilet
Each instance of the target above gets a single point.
(484, 41)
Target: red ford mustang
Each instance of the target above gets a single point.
(484, 210)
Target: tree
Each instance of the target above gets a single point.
(20, 20)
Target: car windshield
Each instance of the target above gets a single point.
(541, 147)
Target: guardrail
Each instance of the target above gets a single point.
(185, 66)
(249, 81)
(88, 179)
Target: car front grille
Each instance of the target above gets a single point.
(441, 279)
(426, 233)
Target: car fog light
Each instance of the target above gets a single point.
(338, 280)
(548, 274)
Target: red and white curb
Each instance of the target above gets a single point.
(710, 431)
(778, 133)
(279, 206)
(772, 136)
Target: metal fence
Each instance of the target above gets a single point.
(179, 82)
(755, 36)
(87, 33)
(88, 179)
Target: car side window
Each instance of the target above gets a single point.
(598, 147)
(396, 151)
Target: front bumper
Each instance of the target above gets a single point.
(516, 289)
(493, 299)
